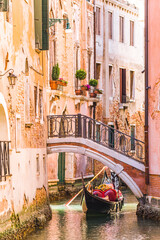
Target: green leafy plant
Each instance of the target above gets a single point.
(93, 82)
(55, 72)
(80, 74)
(98, 91)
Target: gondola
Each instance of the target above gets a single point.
(101, 202)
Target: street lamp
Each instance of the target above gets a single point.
(11, 77)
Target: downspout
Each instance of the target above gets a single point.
(146, 97)
(94, 27)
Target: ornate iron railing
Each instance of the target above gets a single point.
(4, 160)
(86, 127)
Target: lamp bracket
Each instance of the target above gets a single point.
(52, 21)
(1, 75)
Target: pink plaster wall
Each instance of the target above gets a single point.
(154, 82)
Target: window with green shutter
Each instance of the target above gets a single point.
(4, 5)
(41, 19)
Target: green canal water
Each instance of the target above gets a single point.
(72, 224)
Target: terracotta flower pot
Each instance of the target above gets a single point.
(53, 85)
(78, 92)
(93, 95)
(83, 88)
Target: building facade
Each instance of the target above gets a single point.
(23, 108)
(72, 49)
(120, 65)
(153, 98)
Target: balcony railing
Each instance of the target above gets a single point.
(88, 128)
(4, 160)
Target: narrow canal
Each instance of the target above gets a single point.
(71, 224)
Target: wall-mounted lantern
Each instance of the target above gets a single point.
(11, 77)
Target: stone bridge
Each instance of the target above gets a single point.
(122, 153)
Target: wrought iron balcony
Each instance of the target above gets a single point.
(4, 160)
(85, 127)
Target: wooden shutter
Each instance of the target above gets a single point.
(97, 20)
(131, 33)
(110, 25)
(121, 29)
(4, 5)
(41, 19)
(122, 85)
(45, 25)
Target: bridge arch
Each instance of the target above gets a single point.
(65, 145)
(4, 120)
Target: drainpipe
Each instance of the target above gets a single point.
(94, 26)
(146, 97)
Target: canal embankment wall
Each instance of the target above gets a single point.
(32, 217)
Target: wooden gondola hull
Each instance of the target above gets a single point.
(94, 204)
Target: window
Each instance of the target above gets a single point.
(27, 101)
(37, 164)
(26, 67)
(98, 11)
(77, 60)
(35, 102)
(132, 85)
(89, 66)
(110, 82)
(9, 12)
(121, 29)
(131, 33)
(98, 71)
(41, 104)
(110, 25)
(111, 136)
(18, 132)
(122, 85)
(44, 163)
(4, 5)
(133, 133)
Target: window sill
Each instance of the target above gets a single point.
(28, 125)
(132, 100)
(123, 106)
(18, 150)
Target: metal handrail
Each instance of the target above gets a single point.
(4, 160)
(79, 125)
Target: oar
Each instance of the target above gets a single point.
(67, 204)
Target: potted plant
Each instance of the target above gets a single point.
(93, 82)
(83, 88)
(55, 76)
(98, 91)
(80, 75)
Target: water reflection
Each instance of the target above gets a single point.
(71, 224)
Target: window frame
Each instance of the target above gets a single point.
(121, 29)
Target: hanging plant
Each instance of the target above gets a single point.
(55, 72)
(93, 82)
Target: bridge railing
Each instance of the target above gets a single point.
(82, 126)
(4, 160)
